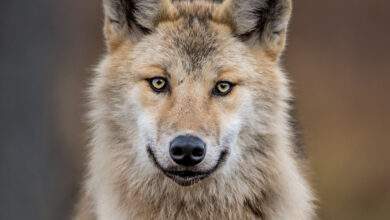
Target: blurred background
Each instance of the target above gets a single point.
(338, 58)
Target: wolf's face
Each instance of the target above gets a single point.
(182, 90)
(190, 99)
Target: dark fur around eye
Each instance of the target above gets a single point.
(163, 88)
(217, 92)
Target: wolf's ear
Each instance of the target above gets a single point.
(129, 19)
(262, 22)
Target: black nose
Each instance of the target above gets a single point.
(187, 150)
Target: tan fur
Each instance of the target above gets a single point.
(262, 178)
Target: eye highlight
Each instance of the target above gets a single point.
(223, 88)
(158, 84)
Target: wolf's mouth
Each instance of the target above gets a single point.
(188, 177)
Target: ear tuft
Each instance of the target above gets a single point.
(129, 18)
(262, 21)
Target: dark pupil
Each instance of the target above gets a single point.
(223, 86)
(159, 82)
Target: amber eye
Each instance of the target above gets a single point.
(158, 84)
(223, 88)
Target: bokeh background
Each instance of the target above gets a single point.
(338, 58)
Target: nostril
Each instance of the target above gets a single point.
(198, 152)
(187, 150)
(177, 151)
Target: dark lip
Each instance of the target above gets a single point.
(188, 177)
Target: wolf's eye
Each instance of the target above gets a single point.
(158, 84)
(223, 88)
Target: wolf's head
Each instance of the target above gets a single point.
(189, 87)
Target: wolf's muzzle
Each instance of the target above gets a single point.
(187, 150)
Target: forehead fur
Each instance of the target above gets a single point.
(194, 31)
(194, 41)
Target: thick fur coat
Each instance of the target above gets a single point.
(196, 49)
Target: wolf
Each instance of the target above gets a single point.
(189, 115)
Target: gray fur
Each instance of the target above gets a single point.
(263, 18)
(252, 168)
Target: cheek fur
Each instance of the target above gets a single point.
(234, 117)
(146, 97)
(229, 129)
(142, 109)
(230, 117)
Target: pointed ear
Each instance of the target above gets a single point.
(262, 22)
(129, 19)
